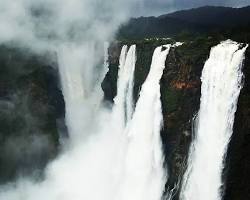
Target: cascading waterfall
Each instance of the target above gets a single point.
(79, 86)
(144, 177)
(130, 88)
(221, 85)
(72, 87)
(118, 120)
(123, 107)
(122, 157)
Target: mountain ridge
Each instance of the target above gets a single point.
(196, 21)
(212, 15)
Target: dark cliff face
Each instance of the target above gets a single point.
(180, 94)
(31, 104)
(110, 80)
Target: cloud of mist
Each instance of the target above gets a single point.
(25, 145)
(75, 30)
(48, 23)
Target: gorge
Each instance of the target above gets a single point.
(171, 120)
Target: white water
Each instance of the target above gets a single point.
(221, 85)
(144, 176)
(123, 107)
(81, 87)
(119, 157)
(130, 61)
(72, 82)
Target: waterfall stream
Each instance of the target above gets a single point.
(115, 154)
(221, 85)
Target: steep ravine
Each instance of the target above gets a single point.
(32, 108)
(180, 88)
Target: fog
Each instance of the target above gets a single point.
(75, 31)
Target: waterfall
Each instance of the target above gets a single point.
(130, 61)
(221, 85)
(122, 156)
(144, 177)
(72, 82)
(123, 102)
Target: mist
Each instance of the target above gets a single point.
(75, 32)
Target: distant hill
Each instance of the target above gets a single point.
(194, 22)
(157, 27)
(210, 15)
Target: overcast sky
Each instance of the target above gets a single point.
(158, 7)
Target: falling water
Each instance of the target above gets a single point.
(221, 85)
(122, 157)
(123, 107)
(72, 87)
(130, 61)
(144, 177)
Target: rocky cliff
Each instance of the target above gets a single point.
(180, 90)
(32, 110)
